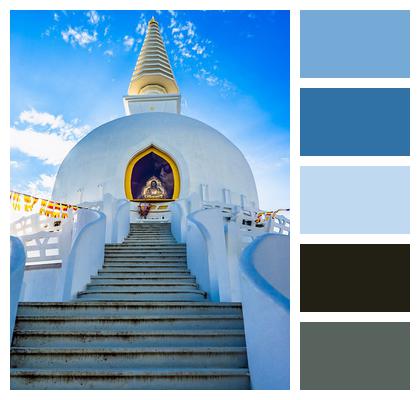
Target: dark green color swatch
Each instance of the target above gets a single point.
(355, 277)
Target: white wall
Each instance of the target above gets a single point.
(203, 156)
(17, 267)
(206, 252)
(266, 311)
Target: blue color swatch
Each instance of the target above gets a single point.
(355, 44)
(355, 200)
(355, 122)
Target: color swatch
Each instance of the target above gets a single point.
(355, 277)
(355, 355)
(369, 119)
(355, 122)
(355, 200)
(354, 44)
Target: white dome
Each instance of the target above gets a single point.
(202, 154)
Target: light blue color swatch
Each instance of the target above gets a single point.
(355, 44)
(355, 200)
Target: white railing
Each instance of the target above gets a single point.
(121, 221)
(179, 210)
(44, 248)
(17, 267)
(206, 253)
(87, 251)
(62, 254)
(239, 230)
(79, 252)
(266, 310)
(28, 225)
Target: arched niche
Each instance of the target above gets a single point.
(152, 175)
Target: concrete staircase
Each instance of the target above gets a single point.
(141, 323)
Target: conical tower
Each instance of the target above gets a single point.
(153, 86)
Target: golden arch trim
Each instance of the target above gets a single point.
(139, 156)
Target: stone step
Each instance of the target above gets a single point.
(121, 357)
(145, 235)
(148, 238)
(155, 295)
(141, 246)
(147, 260)
(150, 234)
(138, 248)
(158, 280)
(145, 254)
(159, 338)
(145, 270)
(140, 287)
(148, 242)
(134, 379)
(136, 323)
(145, 257)
(135, 264)
(153, 225)
(60, 309)
(146, 251)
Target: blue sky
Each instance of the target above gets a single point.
(70, 70)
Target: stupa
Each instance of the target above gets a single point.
(155, 153)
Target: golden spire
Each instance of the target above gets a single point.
(153, 73)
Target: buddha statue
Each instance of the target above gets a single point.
(154, 189)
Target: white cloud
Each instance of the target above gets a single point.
(56, 17)
(128, 42)
(49, 148)
(191, 51)
(109, 53)
(68, 130)
(142, 25)
(199, 49)
(34, 117)
(41, 187)
(15, 164)
(46, 136)
(213, 80)
(79, 36)
(93, 17)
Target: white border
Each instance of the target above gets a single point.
(296, 161)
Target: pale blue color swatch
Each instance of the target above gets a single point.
(355, 44)
(355, 200)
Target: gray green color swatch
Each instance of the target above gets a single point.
(355, 355)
